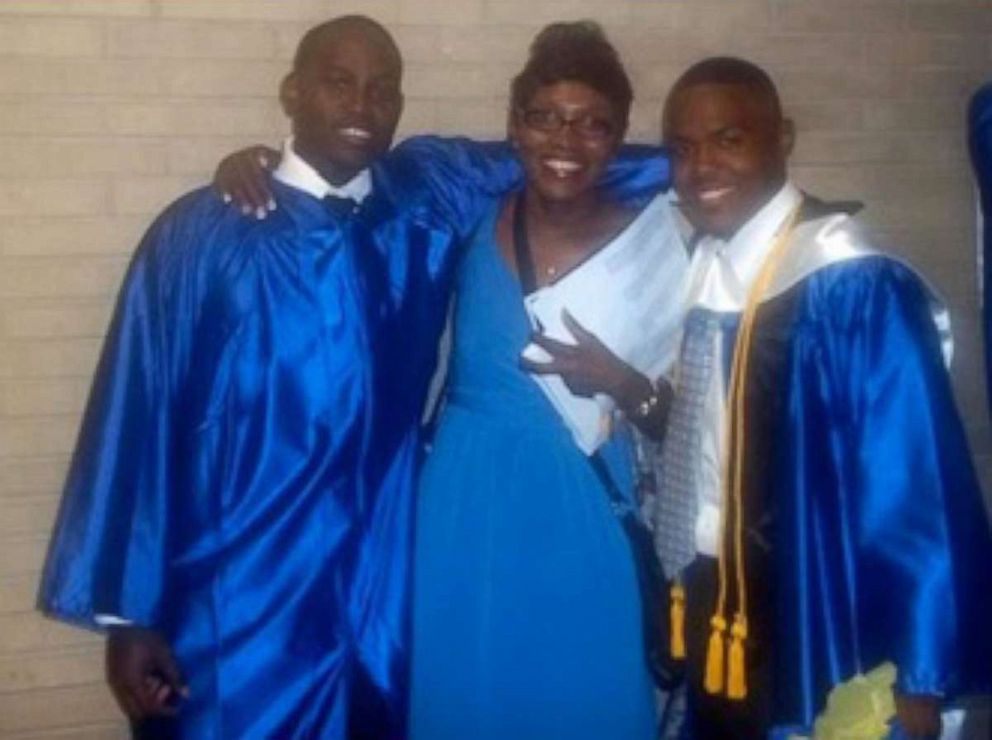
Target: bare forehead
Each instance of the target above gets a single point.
(351, 47)
(716, 106)
(570, 95)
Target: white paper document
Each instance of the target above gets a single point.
(630, 294)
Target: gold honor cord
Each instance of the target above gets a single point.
(733, 486)
(676, 619)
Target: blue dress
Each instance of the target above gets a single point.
(526, 611)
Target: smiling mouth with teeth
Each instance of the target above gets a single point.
(562, 168)
(359, 135)
(712, 195)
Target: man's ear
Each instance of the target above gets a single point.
(289, 94)
(787, 138)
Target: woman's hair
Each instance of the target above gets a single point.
(574, 52)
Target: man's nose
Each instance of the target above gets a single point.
(360, 99)
(698, 163)
(704, 158)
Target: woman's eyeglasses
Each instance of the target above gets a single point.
(549, 121)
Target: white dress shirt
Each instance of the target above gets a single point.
(720, 275)
(296, 172)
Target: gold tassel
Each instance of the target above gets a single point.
(677, 619)
(713, 680)
(736, 671)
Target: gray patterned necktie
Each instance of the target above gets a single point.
(676, 502)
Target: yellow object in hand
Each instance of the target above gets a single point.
(860, 708)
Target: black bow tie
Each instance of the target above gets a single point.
(340, 206)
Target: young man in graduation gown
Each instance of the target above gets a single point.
(237, 513)
(838, 525)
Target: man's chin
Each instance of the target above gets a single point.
(339, 167)
(719, 222)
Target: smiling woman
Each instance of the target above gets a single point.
(527, 616)
(566, 133)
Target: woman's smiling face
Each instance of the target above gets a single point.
(566, 134)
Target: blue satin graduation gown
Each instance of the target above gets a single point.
(980, 145)
(217, 491)
(882, 549)
(243, 477)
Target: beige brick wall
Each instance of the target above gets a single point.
(110, 108)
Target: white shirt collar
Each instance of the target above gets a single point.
(296, 172)
(722, 272)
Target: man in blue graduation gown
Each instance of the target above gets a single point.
(238, 509)
(863, 535)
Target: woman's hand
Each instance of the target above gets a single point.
(242, 177)
(589, 367)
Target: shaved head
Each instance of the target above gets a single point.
(346, 25)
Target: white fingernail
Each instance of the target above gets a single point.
(226, 197)
(245, 210)
(271, 204)
(261, 213)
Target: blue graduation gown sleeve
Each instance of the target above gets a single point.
(885, 542)
(461, 176)
(980, 145)
(454, 177)
(107, 553)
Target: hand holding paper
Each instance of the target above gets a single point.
(623, 304)
(588, 367)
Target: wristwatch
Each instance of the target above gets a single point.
(647, 405)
